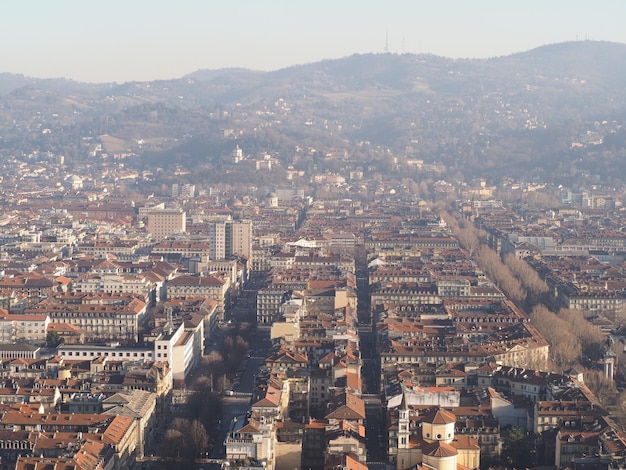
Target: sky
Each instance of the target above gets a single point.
(141, 40)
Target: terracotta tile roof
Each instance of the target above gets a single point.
(67, 328)
(117, 429)
(347, 406)
(271, 398)
(439, 449)
(462, 442)
(251, 426)
(440, 417)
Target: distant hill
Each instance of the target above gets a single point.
(521, 111)
(592, 60)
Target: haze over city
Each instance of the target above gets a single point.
(281, 235)
(148, 40)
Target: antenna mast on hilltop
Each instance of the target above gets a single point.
(386, 41)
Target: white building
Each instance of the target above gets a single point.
(181, 349)
(100, 322)
(19, 327)
(113, 284)
(213, 287)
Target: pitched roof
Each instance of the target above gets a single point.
(439, 449)
(271, 398)
(440, 417)
(347, 406)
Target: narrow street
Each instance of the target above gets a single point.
(375, 434)
(235, 406)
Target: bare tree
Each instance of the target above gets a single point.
(620, 408)
(565, 349)
(602, 387)
(196, 439)
(590, 337)
(185, 439)
(534, 285)
(489, 260)
(172, 445)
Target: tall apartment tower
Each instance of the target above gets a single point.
(183, 190)
(165, 222)
(240, 238)
(217, 240)
(228, 238)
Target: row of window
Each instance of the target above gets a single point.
(15, 445)
(142, 354)
(83, 316)
(30, 331)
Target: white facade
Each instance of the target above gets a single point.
(16, 327)
(217, 240)
(108, 322)
(181, 350)
(113, 351)
(113, 284)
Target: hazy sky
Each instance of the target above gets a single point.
(125, 40)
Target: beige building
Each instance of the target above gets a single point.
(213, 287)
(230, 238)
(120, 432)
(100, 322)
(240, 239)
(165, 222)
(432, 445)
(139, 405)
(135, 284)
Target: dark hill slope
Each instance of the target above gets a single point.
(498, 115)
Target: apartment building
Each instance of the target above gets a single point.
(180, 348)
(33, 285)
(100, 322)
(229, 238)
(213, 287)
(16, 327)
(118, 431)
(113, 284)
(163, 223)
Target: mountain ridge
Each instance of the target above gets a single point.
(530, 108)
(10, 81)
